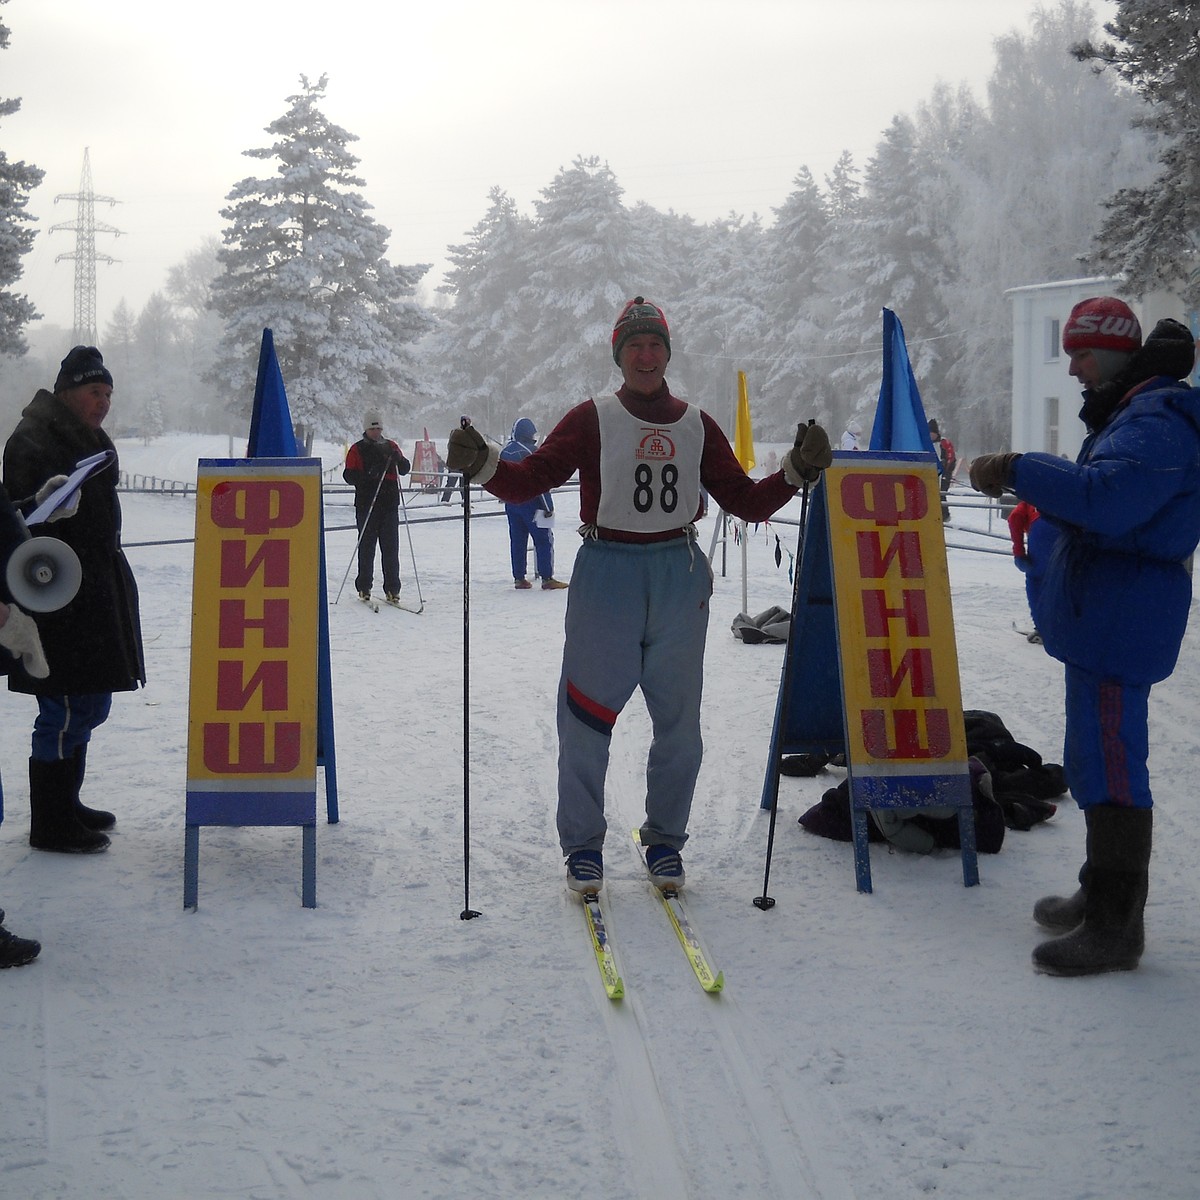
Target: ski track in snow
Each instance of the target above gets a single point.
(878, 1047)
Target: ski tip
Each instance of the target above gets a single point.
(716, 985)
(615, 991)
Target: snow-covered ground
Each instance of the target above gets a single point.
(876, 1046)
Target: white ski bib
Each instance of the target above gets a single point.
(649, 474)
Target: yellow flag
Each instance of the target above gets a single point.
(743, 434)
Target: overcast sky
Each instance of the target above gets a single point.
(699, 106)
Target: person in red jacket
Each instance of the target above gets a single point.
(948, 461)
(637, 612)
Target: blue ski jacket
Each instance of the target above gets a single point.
(1115, 596)
(519, 447)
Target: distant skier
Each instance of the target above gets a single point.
(373, 468)
(944, 448)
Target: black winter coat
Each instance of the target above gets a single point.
(93, 644)
(12, 534)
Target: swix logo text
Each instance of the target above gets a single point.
(1108, 325)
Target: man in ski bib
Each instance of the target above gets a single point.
(637, 612)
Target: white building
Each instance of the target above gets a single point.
(1045, 399)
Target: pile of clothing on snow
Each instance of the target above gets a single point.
(1011, 788)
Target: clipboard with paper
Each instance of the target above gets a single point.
(61, 495)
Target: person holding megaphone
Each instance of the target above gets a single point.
(93, 643)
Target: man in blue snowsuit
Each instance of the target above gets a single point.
(530, 519)
(1113, 604)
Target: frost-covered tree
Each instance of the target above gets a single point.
(582, 263)
(796, 305)
(714, 315)
(119, 344)
(303, 257)
(1029, 180)
(154, 423)
(895, 261)
(479, 350)
(1152, 231)
(17, 180)
(189, 291)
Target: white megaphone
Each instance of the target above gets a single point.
(43, 574)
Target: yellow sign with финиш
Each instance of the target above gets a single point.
(252, 722)
(895, 626)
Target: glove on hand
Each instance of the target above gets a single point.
(990, 473)
(69, 509)
(1022, 563)
(19, 635)
(467, 451)
(811, 454)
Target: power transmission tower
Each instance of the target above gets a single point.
(84, 254)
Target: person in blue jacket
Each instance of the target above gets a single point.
(531, 519)
(1113, 604)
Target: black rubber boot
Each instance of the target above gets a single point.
(89, 818)
(1061, 914)
(1112, 935)
(53, 824)
(17, 951)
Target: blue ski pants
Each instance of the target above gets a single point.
(1107, 741)
(637, 616)
(521, 527)
(64, 723)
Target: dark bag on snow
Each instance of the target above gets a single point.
(1022, 784)
(912, 829)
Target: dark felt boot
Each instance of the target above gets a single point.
(53, 824)
(89, 818)
(17, 951)
(1061, 914)
(1112, 936)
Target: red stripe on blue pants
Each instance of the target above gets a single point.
(589, 711)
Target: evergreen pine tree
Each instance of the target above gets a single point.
(795, 304)
(17, 180)
(303, 257)
(1152, 232)
(1027, 178)
(582, 264)
(481, 343)
(895, 262)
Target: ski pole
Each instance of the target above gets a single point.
(412, 553)
(468, 912)
(764, 901)
(361, 532)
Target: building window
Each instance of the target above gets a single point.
(1053, 339)
(1051, 410)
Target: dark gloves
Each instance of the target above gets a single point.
(990, 473)
(467, 451)
(1022, 562)
(809, 456)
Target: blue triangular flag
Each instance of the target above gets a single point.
(900, 422)
(271, 433)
